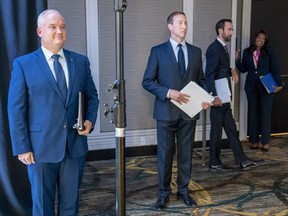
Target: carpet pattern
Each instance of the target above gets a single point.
(259, 191)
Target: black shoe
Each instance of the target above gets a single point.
(220, 167)
(254, 146)
(250, 163)
(161, 202)
(187, 199)
(257, 161)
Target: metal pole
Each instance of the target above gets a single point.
(204, 143)
(120, 111)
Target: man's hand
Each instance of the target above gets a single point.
(178, 96)
(235, 77)
(205, 105)
(26, 158)
(88, 126)
(217, 101)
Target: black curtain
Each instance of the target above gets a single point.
(18, 23)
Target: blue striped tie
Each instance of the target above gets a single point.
(60, 76)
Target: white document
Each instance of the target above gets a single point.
(197, 96)
(223, 90)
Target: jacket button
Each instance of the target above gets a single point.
(65, 126)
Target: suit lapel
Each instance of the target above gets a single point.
(71, 71)
(251, 61)
(190, 57)
(44, 67)
(171, 54)
(260, 59)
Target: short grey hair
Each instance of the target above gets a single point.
(41, 16)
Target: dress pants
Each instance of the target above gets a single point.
(66, 176)
(184, 131)
(259, 116)
(222, 117)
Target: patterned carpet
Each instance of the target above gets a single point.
(260, 191)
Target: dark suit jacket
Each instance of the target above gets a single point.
(162, 73)
(40, 120)
(266, 64)
(218, 65)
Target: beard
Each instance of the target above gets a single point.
(226, 38)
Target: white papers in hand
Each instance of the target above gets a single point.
(223, 90)
(197, 96)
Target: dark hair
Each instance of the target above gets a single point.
(264, 48)
(221, 24)
(171, 16)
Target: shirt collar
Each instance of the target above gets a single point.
(175, 43)
(222, 42)
(48, 54)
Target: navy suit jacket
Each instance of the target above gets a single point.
(218, 65)
(266, 64)
(40, 120)
(162, 73)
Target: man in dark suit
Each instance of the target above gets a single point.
(164, 79)
(42, 108)
(218, 67)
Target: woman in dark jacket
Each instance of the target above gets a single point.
(258, 60)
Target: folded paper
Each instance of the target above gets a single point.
(197, 96)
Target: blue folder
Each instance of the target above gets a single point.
(268, 81)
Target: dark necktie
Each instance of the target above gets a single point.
(60, 76)
(227, 52)
(181, 60)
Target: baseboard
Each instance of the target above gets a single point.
(108, 154)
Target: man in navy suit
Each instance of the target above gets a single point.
(218, 67)
(164, 79)
(41, 117)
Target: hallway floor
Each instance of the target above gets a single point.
(262, 190)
